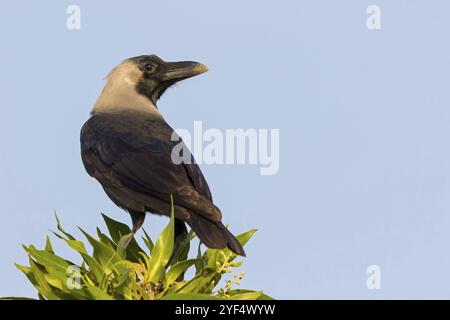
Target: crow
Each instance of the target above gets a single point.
(126, 145)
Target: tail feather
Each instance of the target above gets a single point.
(215, 235)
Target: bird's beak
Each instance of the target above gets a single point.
(182, 70)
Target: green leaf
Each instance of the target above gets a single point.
(60, 228)
(255, 295)
(55, 269)
(76, 245)
(200, 283)
(103, 253)
(22, 268)
(96, 293)
(243, 238)
(41, 283)
(148, 241)
(110, 273)
(126, 285)
(177, 270)
(94, 266)
(262, 295)
(28, 273)
(190, 296)
(105, 239)
(48, 245)
(201, 261)
(55, 265)
(121, 246)
(117, 230)
(185, 247)
(162, 251)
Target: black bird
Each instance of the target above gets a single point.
(126, 145)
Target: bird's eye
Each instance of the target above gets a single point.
(150, 67)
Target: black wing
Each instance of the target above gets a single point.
(130, 151)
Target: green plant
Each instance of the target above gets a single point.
(114, 271)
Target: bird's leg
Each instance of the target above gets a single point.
(137, 219)
(179, 239)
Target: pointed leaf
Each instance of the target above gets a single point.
(199, 284)
(58, 225)
(105, 239)
(104, 254)
(262, 296)
(254, 295)
(148, 241)
(48, 245)
(177, 270)
(185, 247)
(190, 296)
(117, 230)
(162, 252)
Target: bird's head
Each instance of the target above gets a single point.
(154, 75)
(139, 82)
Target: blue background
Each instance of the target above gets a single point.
(363, 117)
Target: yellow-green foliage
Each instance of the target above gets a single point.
(112, 272)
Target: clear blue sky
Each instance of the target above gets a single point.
(364, 126)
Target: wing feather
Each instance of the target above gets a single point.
(135, 152)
